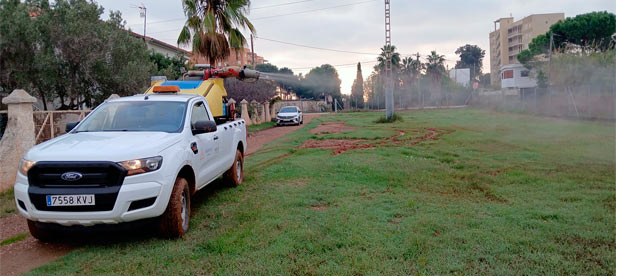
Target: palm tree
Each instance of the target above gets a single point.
(396, 58)
(411, 69)
(213, 26)
(435, 65)
(435, 69)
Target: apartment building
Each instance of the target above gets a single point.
(238, 57)
(511, 37)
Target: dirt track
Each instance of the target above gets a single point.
(28, 253)
(258, 139)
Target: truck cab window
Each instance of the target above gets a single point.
(199, 113)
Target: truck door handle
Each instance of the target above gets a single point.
(215, 137)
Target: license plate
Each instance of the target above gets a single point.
(70, 200)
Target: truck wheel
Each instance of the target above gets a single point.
(235, 174)
(175, 220)
(39, 232)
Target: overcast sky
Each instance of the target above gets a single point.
(358, 26)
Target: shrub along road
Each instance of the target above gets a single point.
(493, 193)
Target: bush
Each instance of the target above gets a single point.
(394, 118)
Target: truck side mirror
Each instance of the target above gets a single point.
(205, 126)
(70, 126)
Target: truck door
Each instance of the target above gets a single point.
(206, 150)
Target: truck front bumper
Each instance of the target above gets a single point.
(134, 189)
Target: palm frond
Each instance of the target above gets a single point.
(185, 36)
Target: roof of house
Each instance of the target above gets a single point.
(162, 44)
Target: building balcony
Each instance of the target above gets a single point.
(515, 43)
(515, 32)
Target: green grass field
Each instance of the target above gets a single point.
(7, 204)
(500, 194)
(259, 127)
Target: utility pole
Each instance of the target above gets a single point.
(142, 13)
(418, 75)
(389, 82)
(252, 52)
(550, 58)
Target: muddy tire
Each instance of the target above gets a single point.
(40, 233)
(174, 222)
(234, 176)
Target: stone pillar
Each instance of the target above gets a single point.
(267, 117)
(273, 111)
(232, 104)
(245, 112)
(257, 118)
(18, 136)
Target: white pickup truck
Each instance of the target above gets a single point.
(131, 158)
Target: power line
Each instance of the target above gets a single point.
(300, 12)
(336, 50)
(165, 31)
(257, 8)
(315, 47)
(336, 65)
(282, 4)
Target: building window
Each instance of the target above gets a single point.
(507, 74)
(524, 73)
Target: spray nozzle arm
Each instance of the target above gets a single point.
(248, 74)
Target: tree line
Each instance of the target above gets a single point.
(66, 55)
(417, 82)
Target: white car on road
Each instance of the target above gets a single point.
(289, 115)
(132, 158)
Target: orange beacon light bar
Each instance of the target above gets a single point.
(166, 89)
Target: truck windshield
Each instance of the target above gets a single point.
(288, 109)
(135, 116)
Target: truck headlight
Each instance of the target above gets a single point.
(143, 165)
(25, 165)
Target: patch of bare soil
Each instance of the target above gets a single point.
(24, 255)
(12, 226)
(27, 254)
(396, 219)
(319, 207)
(331, 127)
(339, 146)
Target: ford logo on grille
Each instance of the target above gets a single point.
(71, 176)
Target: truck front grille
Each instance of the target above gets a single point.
(103, 179)
(93, 174)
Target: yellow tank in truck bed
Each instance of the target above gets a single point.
(212, 89)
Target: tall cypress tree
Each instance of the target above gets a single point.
(357, 90)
